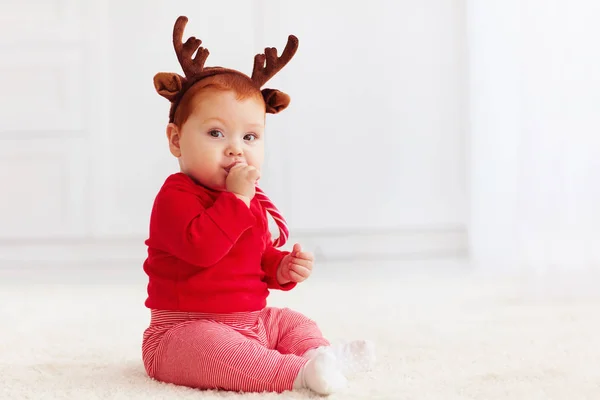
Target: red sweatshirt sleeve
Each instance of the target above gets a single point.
(199, 236)
(270, 263)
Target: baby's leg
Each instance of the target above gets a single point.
(291, 332)
(208, 355)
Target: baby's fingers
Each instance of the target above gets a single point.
(300, 270)
(302, 262)
(253, 174)
(305, 255)
(238, 166)
(295, 277)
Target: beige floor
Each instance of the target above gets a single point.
(442, 332)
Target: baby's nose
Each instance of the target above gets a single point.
(234, 151)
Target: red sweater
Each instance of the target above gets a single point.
(208, 252)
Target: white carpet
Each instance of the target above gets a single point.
(441, 334)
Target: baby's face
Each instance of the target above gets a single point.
(220, 132)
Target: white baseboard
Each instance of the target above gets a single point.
(327, 246)
(72, 251)
(377, 245)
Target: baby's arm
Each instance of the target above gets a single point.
(198, 235)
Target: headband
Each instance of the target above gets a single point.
(173, 86)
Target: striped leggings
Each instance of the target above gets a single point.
(247, 352)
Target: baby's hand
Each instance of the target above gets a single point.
(295, 267)
(241, 181)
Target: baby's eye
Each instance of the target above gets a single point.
(215, 133)
(250, 137)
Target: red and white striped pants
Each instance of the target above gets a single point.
(248, 352)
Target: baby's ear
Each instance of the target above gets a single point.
(168, 84)
(275, 100)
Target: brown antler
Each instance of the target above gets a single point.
(261, 73)
(191, 66)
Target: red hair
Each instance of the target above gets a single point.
(240, 85)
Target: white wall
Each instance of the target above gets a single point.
(377, 120)
(46, 128)
(367, 161)
(535, 134)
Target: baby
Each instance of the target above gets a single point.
(211, 259)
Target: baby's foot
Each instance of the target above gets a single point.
(321, 375)
(353, 357)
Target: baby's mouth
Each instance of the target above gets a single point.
(233, 164)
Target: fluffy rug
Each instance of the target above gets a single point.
(440, 333)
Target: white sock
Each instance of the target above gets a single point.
(353, 357)
(321, 375)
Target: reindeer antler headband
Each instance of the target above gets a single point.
(173, 86)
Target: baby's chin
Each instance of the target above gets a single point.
(217, 186)
(215, 183)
